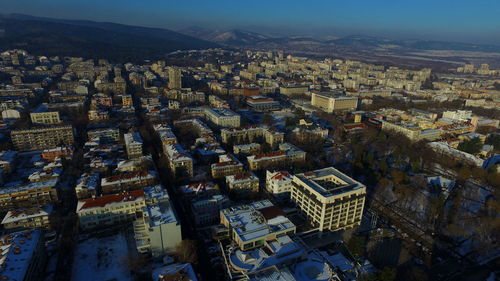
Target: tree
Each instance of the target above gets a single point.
(186, 251)
(387, 274)
(357, 246)
(268, 119)
(472, 146)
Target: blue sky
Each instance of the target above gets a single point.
(454, 20)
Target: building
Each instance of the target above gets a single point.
(174, 78)
(288, 154)
(179, 161)
(42, 116)
(293, 90)
(227, 165)
(245, 135)
(205, 211)
(58, 152)
(86, 185)
(127, 181)
(133, 145)
(412, 131)
(223, 117)
(461, 115)
(279, 183)
(260, 103)
(8, 160)
(329, 199)
(251, 148)
(106, 135)
(22, 255)
(251, 226)
(42, 138)
(110, 210)
(243, 183)
(158, 231)
(174, 272)
(35, 217)
(28, 195)
(331, 102)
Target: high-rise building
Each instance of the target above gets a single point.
(330, 199)
(174, 78)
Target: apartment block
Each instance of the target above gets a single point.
(28, 195)
(45, 117)
(35, 217)
(110, 210)
(127, 181)
(133, 145)
(251, 134)
(106, 135)
(223, 117)
(227, 165)
(243, 183)
(331, 102)
(42, 138)
(279, 183)
(178, 160)
(158, 230)
(329, 199)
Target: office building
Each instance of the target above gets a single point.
(331, 102)
(329, 199)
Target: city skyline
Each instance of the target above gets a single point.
(458, 21)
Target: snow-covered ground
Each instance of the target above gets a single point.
(101, 259)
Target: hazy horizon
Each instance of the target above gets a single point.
(454, 21)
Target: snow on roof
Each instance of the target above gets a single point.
(457, 153)
(127, 177)
(29, 187)
(88, 181)
(106, 200)
(160, 213)
(16, 252)
(241, 178)
(197, 187)
(249, 223)
(176, 153)
(27, 213)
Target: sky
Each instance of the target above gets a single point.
(475, 21)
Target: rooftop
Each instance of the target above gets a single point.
(329, 181)
(16, 252)
(106, 200)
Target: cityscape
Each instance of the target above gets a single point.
(210, 152)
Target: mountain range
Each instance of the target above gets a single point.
(47, 36)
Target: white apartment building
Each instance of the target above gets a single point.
(133, 145)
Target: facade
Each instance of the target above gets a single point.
(251, 134)
(46, 118)
(206, 210)
(158, 231)
(227, 165)
(29, 195)
(86, 185)
(109, 210)
(413, 132)
(329, 199)
(133, 145)
(251, 148)
(23, 255)
(331, 102)
(243, 183)
(127, 181)
(223, 117)
(293, 90)
(107, 135)
(35, 217)
(59, 152)
(174, 78)
(178, 160)
(42, 138)
(278, 183)
(265, 160)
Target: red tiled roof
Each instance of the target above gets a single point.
(113, 198)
